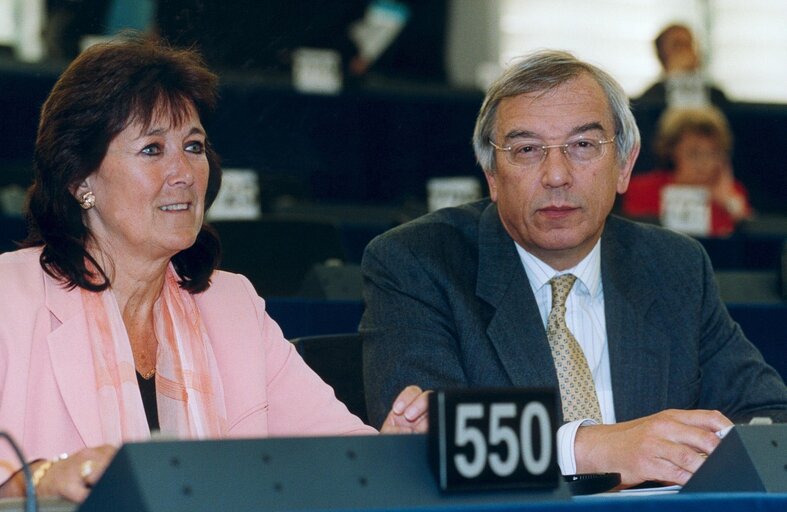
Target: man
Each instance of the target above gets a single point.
(682, 83)
(462, 296)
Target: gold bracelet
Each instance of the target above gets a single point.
(41, 470)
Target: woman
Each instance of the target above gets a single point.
(114, 320)
(694, 147)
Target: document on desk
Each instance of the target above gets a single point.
(655, 490)
(649, 491)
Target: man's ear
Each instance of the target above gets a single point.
(491, 180)
(625, 171)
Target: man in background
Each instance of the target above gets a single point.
(683, 83)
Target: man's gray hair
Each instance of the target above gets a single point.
(542, 71)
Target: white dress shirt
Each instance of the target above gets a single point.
(585, 319)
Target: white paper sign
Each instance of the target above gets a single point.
(382, 22)
(317, 70)
(687, 90)
(686, 208)
(452, 191)
(239, 196)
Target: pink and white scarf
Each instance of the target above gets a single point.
(189, 393)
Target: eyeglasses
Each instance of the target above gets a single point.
(530, 153)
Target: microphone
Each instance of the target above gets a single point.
(31, 502)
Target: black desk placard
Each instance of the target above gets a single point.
(373, 472)
(750, 458)
(494, 438)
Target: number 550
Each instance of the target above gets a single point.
(516, 446)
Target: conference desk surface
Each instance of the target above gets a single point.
(727, 502)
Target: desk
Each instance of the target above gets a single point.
(726, 502)
(748, 286)
(45, 505)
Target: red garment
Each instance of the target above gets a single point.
(643, 199)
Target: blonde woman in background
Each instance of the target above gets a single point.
(693, 147)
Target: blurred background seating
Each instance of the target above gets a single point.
(765, 324)
(299, 317)
(276, 253)
(12, 230)
(763, 321)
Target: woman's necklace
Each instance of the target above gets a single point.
(149, 374)
(141, 360)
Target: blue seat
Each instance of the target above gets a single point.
(299, 317)
(766, 327)
(765, 324)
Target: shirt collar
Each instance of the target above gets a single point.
(588, 271)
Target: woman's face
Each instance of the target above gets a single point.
(698, 159)
(150, 189)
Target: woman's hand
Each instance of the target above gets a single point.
(724, 183)
(73, 477)
(723, 192)
(409, 413)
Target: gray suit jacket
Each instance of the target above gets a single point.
(448, 304)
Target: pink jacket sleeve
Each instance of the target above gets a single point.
(263, 369)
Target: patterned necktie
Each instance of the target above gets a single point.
(577, 391)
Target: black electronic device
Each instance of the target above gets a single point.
(750, 458)
(591, 483)
(369, 472)
(494, 438)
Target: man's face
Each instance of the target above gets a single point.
(557, 209)
(679, 52)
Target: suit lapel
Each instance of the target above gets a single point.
(638, 347)
(515, 329)
(72, 359)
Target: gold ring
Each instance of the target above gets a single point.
(86, 469)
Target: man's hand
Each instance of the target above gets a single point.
(409, 413)
(666, 447)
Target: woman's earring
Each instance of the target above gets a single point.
(88, 200)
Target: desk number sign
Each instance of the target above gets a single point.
(493, 438)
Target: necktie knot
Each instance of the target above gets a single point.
(561, 286)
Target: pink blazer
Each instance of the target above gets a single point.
(48, 400)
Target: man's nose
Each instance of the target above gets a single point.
(556, 168)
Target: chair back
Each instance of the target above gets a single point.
(12, 230)
(276, 253)
(338, 360)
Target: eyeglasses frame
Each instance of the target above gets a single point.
(545, 150)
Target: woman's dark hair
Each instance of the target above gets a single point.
(105, 89)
